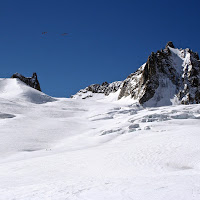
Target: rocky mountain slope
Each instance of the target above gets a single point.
(105, 88)
(170, 76)
(30, 81)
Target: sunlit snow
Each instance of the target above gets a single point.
(95, 149)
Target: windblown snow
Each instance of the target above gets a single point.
(95, 149)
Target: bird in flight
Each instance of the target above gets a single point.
(44, 35)
(64, 34)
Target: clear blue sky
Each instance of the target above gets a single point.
(108, 39)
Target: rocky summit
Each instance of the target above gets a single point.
(170, 76)
(30, 81)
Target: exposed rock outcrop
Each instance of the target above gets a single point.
(105, 88)
(169, 44)
(169, 76)
(30, 81)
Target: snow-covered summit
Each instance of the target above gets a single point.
(170, 76)
(13, 89)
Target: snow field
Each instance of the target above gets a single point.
(95, 149)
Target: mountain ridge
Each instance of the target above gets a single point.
(169, 76)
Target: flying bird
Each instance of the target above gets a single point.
(43, 36)
(64, 34)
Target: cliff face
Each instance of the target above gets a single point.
(168, 75)
(30, 81)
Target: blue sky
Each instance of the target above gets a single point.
(108, 39)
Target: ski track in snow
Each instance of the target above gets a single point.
(95, 149)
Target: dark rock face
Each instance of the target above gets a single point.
(167, 74)
(30, 81)
(170, 76)
(191, 80)
(105, 88)
(169, 44)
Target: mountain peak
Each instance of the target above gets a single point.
(169, 44)
(170, 76)
(30, 81)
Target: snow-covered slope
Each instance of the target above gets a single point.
(95, 149)
(16, 90)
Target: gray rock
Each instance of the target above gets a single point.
(105, 88)
(30, 81)
(160, 67)
(163, 77)
(169, 44)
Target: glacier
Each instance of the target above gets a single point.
(96, 148)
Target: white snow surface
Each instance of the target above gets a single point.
(72, 149)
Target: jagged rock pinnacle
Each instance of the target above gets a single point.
(30, 81)
(165, 76)
(170, 76)
(169, 44)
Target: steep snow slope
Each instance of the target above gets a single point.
(14, 89)
(95, 149)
